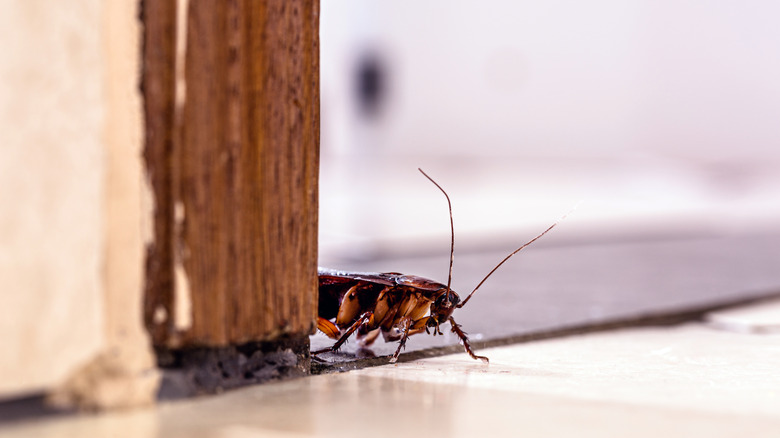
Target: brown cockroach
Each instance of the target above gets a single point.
(395, 304)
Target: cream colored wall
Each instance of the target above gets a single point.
(52, 110)
(71, 196)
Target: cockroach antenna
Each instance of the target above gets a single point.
(349, 302)
(452, 232)
(463, 303)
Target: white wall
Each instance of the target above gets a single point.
(74, 206)
(657, 114)
(51, 187)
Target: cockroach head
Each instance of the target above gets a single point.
(445, 304)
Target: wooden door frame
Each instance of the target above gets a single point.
(232, 157)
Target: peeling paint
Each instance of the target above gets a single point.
(148, 207)
(178, 215)
(160, 315)
(182, 8)
(182, 296)
(182, 303)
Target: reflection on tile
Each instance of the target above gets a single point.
(645, 382)
(689, 367)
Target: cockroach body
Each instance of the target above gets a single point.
(392, 303)
(395, 304)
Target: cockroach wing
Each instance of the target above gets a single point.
(333, 276)
(330, 280)
(419, 283)
(335, 285)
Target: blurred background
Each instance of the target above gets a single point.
(659, 118)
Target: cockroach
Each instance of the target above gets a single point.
(395, 304)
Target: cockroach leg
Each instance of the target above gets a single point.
(407, 324)
(328, 328)
(436, 328)
(368, 338)
(462, 335)
(360, 321)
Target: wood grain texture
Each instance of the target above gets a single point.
(158, 87)
(242, 215)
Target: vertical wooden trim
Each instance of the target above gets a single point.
(241, 205)
(158, 86)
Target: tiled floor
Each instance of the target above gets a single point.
(691, 380)
(549, 287)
